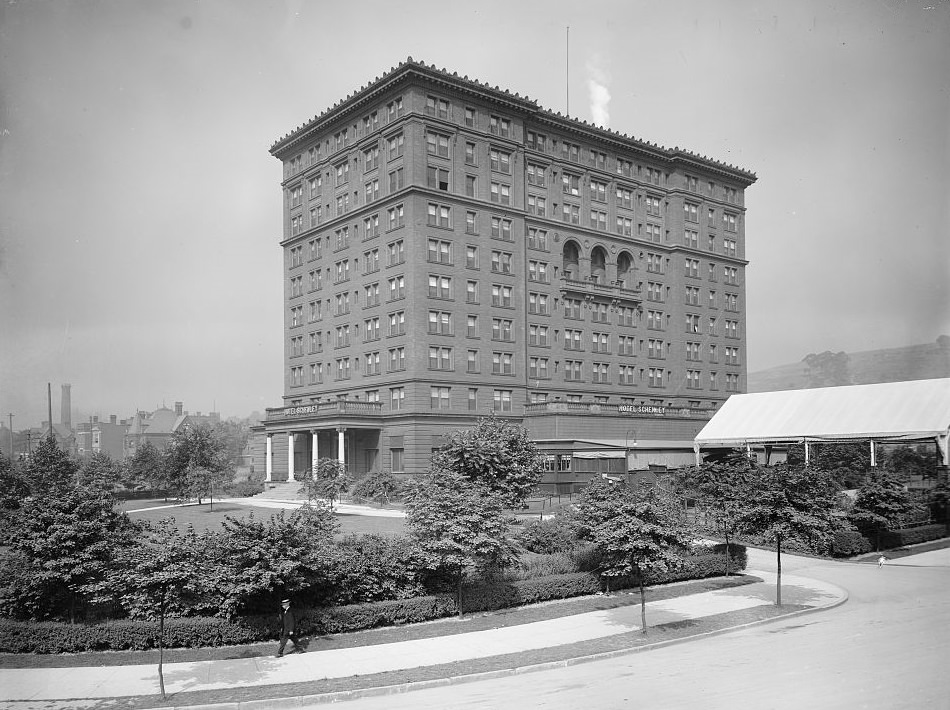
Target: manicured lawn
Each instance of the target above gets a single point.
(203, 517)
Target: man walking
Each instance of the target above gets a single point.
(288, 627)
(881, 560)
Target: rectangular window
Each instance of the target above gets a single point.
(342, 304)
(397, 145)
(471, 362)
(471, 186)
(598, 220)
(439, 251)
(499, 126)
(370, 261)
(501, 400)
(600, 373)
(626, 316)
(439, 215)
(655, 375)
(573, 370)
(440, 286)
(538, 335)
(397, 287)
(572, 339)
(437, 144)
(371, 226)
(537, 141)
(343, 368)
(316, 373)
(397, 399)
(538, 368)
(691, 267)
(599, 343)
(501, 295)
(501, 329)
(627, 375)
(501, 262)
(598, 191)
(471, 222)
(342, 271)
(537, 239)
(692, 296)
(342, 336)
(729, 221)
(692, 323)
(371, 158)
(296, 376)
(500, 193)
(732, 382)
(570, 151)
(655, 320)
(626, 345)
(693, 379)
(732, 329)
(440, 323)
(624, 198)
(571, 184)
(536, 175)
(502, 363)
(571, 214)
(729, 247)
(691, 238)
(396, 217)
(471, 257)
(437, 178)
(437, 107)
(397, 180)
(470, 155)
(624, 167)
(572, 308)
(501, 229)
(397, 323)
(538, 271)
(471, 117)
(440, 358)
(397, 252)
(499, 161)
(397, 359)
(371, 295)
(694, 352)
(655, 349)
(371, 329)
(372, 364)
(316, 342)
(471, 326)
(538, 304)
(439, 397)
(471, 291)
(625, 226)
(730, 275)
(690, 212)
(537, 205)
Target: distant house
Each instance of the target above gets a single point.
(160, 426)
(96, 436)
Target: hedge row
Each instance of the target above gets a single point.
(912, 536)
(847, 543)
(190, 632)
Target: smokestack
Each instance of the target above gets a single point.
(66, 408)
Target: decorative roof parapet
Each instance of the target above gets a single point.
(514, 101)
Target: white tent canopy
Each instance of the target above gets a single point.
(890, 411)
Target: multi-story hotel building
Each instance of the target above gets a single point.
(453, 249)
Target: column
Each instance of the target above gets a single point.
(340, 446)
(314, 450)
(269, 459)
(806, 452)
(873, 455)
(290, 456)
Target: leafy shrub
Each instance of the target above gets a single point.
(547, 536)
(381, 486)
(532, 565)
(847, 543)
(246, 488)
(502, 595)
(586, 558)
(912, 536)
(371, 568)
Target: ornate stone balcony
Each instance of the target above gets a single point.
(614, 292)
(332, 407)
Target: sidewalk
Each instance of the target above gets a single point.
(43, 687)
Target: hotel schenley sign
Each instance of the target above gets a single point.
(656, 410)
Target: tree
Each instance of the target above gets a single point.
(498, 456)
(458, 526)
(155, 577)
(783, 503)
(147, 467)
(847, 462)
(881, 504)
(636, 535)
(327, 480)
(196, 460)
(62, 543)
(13, 485)
(50, 469)
(262, 562)
(101, 472)
(720, 489)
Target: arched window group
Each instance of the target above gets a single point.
(597, 267)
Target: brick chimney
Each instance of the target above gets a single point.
(179, 408)
(66, 408)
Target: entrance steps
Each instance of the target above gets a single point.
(282, 490)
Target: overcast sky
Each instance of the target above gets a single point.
(140, 211)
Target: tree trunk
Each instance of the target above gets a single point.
(643, 605)
(460, 576)
(778, 577)
(161, 644)
(725, 532)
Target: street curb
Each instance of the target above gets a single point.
(380, 691)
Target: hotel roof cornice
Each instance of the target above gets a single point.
(410, 68)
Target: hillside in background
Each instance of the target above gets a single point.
(914, 362)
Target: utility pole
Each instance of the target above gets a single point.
(49, 402)
(11, 436)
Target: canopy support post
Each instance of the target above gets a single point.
(806, 453)
(873, 457)
(696, 452)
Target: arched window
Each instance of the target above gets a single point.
(598, 265)
(571, 262)
(625, 269)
